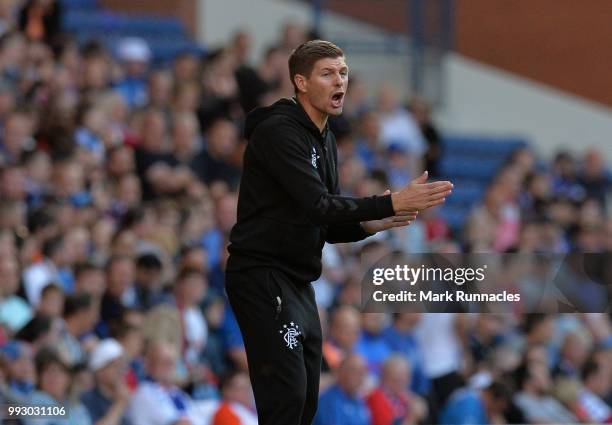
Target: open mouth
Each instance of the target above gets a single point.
(337, 99)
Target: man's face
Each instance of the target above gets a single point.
(351, 374)
(9, 276)
(112, 373)
(161, 363)
(326, 86)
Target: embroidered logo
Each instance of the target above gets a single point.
(290, 334)
(314, 157)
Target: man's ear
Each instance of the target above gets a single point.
(301, 83)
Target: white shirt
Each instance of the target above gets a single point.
(440, 347)
(399, 127)
(152, 404)
(196, 333)
(36, 277)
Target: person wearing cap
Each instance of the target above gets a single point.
(135, 54)
(19, 369)
(108, 400)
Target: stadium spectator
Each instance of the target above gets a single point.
(372, 344)
(594, 177)
(343, 335)
(89, 279)
(80, 315)
(400, 337)
(15, 312)
(591, 406)
(534, 399)
(158, 400)
(40, 20)
(342, 404)
(119, 279)
(147, 283)
(108, 400)
(421, 112)
(40, 331)
(468, 406)
(53, 380)
(236, 404)
(20, 372)
(441, 355)
(216, 161)
(135, 55)
(399, 127)
(391, 402)
(565, 181)
(51, 302)
(54, 268)
(573, 354)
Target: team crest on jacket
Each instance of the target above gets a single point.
(290, 334)
(314, 157)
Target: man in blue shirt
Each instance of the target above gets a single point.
(401, 340)
(472, 407)
(341, 404)
(371, 344)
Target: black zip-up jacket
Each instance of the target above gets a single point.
(289, 202)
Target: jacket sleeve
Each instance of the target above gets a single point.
(341, 233)
(287, 158)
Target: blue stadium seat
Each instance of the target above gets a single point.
(454, 216)
(79, 4)
(480, 145)
(465, 196)
(471, 162)
(472, 167)
(166, 35)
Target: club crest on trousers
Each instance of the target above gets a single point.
(290, 333)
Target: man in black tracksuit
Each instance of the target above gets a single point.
(289, 205)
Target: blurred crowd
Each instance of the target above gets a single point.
(118, 189)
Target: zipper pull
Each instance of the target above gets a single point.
(278, 307)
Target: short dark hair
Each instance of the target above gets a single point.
(85, 267)
(52, 246)
(34, 329)
(116, 259)
(51, 287)
(76, 303)
(521, 375)
(46, 357)
(500, 391)
(590, 368)
(188, 272)
(149, 262)
(303, 58)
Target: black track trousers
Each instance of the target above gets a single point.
(280, 325)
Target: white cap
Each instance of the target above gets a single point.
(134, 49)
(105, 352)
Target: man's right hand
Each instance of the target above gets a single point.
(419, 195)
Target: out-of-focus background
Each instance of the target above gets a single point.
(120, 159)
